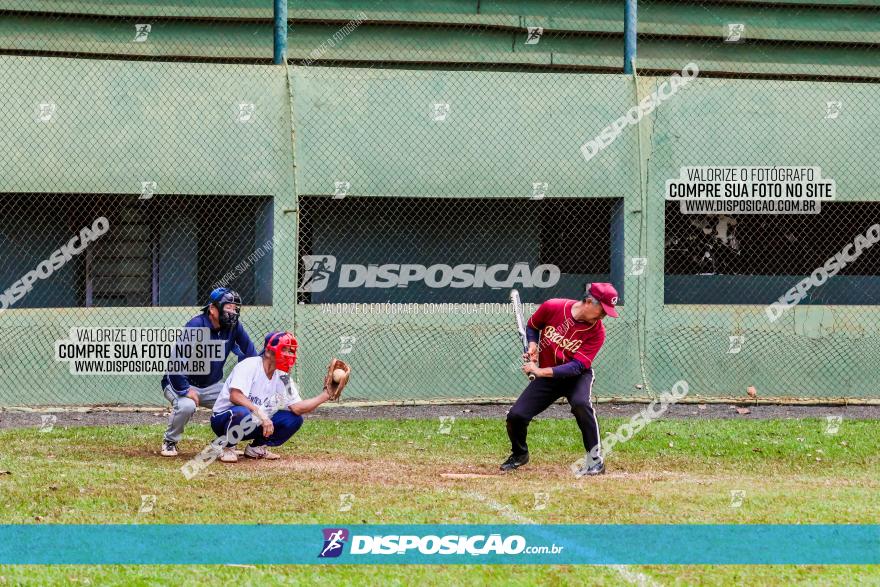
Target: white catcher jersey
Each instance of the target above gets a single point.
(249, 377)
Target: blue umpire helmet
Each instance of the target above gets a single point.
(219, 298)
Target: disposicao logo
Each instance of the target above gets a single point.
(318, 270)
(334, 540)
(443, 545)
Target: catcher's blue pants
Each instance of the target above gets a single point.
(540, 394)
(286, 424)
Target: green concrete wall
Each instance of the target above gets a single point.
(802, 38)
(117, 124)
(814, 350)
(120, 122)
(499, 140)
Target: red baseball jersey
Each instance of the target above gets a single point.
(562, 337)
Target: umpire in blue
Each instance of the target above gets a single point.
(187, 392)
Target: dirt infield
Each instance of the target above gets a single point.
(109, 417)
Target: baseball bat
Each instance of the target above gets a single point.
(520, 324)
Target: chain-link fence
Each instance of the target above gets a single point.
(382, 192)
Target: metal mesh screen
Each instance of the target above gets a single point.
(383, 191)
(421, 286)
(170, 122)
(780, 85)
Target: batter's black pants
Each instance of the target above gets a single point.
(540, 394)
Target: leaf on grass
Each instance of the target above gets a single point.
(3, 472)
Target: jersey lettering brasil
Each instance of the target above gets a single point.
(562, 337)
(250, 378)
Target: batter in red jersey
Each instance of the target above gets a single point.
(564, 338)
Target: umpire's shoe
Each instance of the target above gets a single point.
(514, 462)
(169, 449)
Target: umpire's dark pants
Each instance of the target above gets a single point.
(538, 396)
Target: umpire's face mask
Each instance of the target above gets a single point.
(229, 316)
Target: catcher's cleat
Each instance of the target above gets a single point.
(260, 452)
(229, 456)
(514, 462)
(169, 449)
(592, 470)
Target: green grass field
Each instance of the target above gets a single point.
(674, 471)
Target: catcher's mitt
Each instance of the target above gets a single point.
(334, 388)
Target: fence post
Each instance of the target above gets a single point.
(280, 16)
(630, 18)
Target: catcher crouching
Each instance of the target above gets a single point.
(260, 403)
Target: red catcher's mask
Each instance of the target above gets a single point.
(283, 344)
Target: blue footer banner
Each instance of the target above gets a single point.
(440, 544)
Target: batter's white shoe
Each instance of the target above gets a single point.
(260, 452)
(229, 456)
